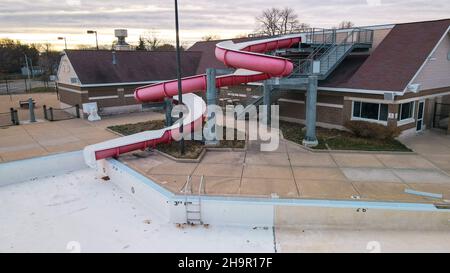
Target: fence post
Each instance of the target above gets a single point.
(51, 113)
(13, 118)
(77, 109)
(16, 117)
(45, 112)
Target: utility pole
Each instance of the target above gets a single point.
(65, 41)
(28, 73)
(96, 38)
(180, 93)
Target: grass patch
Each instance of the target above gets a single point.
(193, 148)
(134, 128)
(341, 140)
(42, 90)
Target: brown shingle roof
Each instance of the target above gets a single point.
(344, 71)
(96, 67)
(208, 59)
(400, 55)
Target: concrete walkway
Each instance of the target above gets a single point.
(44, 138)
(292, 172)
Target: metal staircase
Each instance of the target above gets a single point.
(328, 49)
(256, 102)
(193, 208)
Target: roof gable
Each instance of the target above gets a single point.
(96, 67)
(400, 55)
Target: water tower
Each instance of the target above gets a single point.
(121, 34)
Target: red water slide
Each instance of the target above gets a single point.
(247, 57)
(251, 65)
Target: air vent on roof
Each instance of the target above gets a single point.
(389, 96)
(114, 57)
(414, 87)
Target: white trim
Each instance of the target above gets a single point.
(331, 105)
(383, 122)
(426, 60)
(368, 100)
(361, 91)
(399, 101)
(319, 124)
(129, 95)
(72, 90)
(407, 120)
(104, 97)
(292, 101)
(424, 97)
(422, 128)
(119, 84)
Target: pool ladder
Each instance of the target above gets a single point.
(193, 208)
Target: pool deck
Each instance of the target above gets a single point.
(44, 138)
(293, 172)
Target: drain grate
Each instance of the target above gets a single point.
(442, 206)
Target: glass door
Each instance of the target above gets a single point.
(420, 114)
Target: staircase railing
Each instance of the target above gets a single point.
(329, 46)
(354, 37)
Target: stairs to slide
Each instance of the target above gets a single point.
(328, 48)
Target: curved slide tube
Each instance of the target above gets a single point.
(251, 65)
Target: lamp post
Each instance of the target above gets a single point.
(96, 38)
(180, 93)
(65, 41)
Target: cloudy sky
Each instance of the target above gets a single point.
(45, 20)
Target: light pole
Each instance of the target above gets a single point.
(65, 41)
(180, 93)
(96, 38)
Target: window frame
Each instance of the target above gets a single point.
(382, 122)
(408, 120)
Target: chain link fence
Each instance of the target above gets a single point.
(56, 114)
(9, 118)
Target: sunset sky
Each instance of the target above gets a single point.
(42, 21)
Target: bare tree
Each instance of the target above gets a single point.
(288, 21)
(346, 24)
(276, 21)
(210, 37)
(268, 21)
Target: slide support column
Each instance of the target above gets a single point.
(211, 92)
(168, 109)
(311, 113)
(267, 101)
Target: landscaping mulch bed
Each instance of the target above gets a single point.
(193, 148)
(334, 139)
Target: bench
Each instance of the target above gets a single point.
(25, 104)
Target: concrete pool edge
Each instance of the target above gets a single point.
(268, 212)
(247, 211)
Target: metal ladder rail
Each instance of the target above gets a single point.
(193, 208)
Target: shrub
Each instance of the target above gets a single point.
(372, 130)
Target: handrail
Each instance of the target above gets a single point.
(187, 186)
(201, 187)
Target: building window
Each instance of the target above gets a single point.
(406, 111)
(370, 111)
